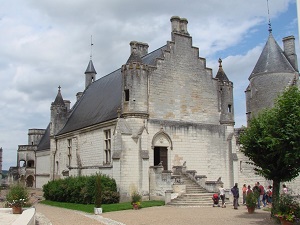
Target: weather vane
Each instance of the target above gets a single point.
(91, 47)
(270, 28)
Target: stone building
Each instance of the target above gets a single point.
(160, 114)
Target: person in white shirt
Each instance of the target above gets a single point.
(222, 195)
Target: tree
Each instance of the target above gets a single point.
(98, 192)
(272, 141)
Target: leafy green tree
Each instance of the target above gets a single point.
(272, 141)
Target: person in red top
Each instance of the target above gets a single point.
(269, 194)
(249, 190)
(261, 195)
(244, 189)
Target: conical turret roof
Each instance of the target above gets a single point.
(59, 99)
(272, 60)
(221, 75)
(90, 68)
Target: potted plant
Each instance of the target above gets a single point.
(17, 197)
(98, 196)
(287, 210)
(251, 201)
(136, 200)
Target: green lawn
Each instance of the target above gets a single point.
(105, 207)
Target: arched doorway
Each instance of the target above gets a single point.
(29, 181)
(161, 156)
(161, 145)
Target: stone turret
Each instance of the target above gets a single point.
(35, 136)
(59, 114)
(273, 72)
(135, 81)
(225, 97)
(90, 74)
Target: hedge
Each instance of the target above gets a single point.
(81, 190)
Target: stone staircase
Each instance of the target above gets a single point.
(195, 195)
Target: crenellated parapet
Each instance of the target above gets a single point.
(134, 66)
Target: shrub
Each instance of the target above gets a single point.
(251, 200)
(135, 197)
(98, 192)
(110, 197)
(17, 195)
(81, 189)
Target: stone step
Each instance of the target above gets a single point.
(195, 195)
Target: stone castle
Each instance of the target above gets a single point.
(161, 114)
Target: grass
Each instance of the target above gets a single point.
(105, 207)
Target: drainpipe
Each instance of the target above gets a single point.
(53, 172)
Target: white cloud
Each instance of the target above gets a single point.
(47, 43)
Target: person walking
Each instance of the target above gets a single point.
(269, 195)
(222, 195)
(244, 189)
(235, 193)
(261, 194)
(256, 192)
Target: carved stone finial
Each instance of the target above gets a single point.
(220, 62)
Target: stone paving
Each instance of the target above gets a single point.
(164, 215)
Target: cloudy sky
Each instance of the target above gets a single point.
(44, 44)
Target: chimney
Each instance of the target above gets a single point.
(67, 104)
(78, 95)
(183, 26)
(179, 25)
(175, 22)
(290, 51)
(139, 47)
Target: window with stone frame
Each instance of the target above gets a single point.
(69, 151)
(107, 147)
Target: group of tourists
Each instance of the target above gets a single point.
(264, 195)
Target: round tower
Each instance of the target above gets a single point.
(135, 82)
(274, 70)
(225, 87)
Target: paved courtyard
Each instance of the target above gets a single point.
(164, 215)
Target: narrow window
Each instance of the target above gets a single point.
(107, 146)
(69, 151)
(229, 108)
(241, 166)
(126, 95)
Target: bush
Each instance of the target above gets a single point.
(80, 189)
(135, 197)
(98, 192)
(110, 197)
(17, 195)
(251, 200)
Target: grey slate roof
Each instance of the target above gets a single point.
(90, 68)
(134, 57)
(101, 100)
(221, 75)
(45, 141)
(59, 99)
(99, 103)
(272, 60)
